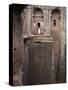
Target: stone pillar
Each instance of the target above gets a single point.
(23, 16)
(62, 49)
(49, 21)
(62, 36)
(28, 20)
(46, 24)
(53, 77)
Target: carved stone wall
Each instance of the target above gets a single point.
(39, 56)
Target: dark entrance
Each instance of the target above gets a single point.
(38, 24)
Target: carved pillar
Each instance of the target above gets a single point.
(46, 24)
(49, 21)
(62, 49)
(28, 20)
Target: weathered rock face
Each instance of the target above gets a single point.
(38, 62)
(18, 48)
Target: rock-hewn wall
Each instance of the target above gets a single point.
(22, 25)
(18, 49)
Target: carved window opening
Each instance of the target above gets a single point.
(56, 11)
(38, 24)
(54, 22)
(55, 15)
(37, 14)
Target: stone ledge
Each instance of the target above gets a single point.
(39, 38)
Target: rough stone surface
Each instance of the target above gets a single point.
(33, 62)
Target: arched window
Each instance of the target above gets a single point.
(38, 20)
(55, 16)
(56, 11)
(37, 14)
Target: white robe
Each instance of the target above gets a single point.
(38, 30)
